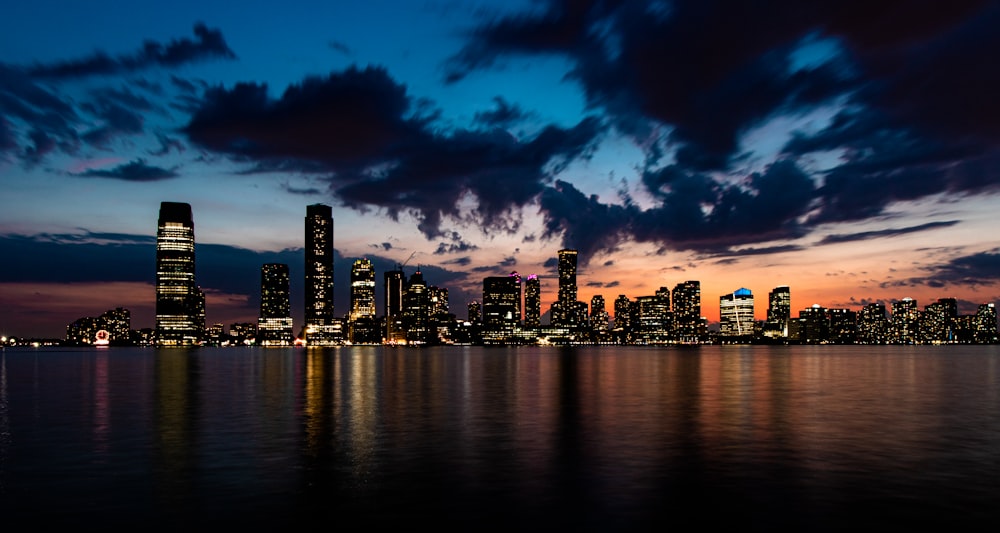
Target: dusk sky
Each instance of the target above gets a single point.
(850, 150)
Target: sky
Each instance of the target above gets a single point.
(849, 150)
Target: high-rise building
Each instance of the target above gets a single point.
(475, 312)
(652, 318)
(736, 313)
(905, 321)
(395, 288)
(600, 319)
(986, 324)
(532, 302)
(501, 307)
(779, 312)
(843, 325)
(180, 304)
(687, 310)
(362, 289)
(118, 322)
(814, 325)
(623, 319)
(873, 324)
(320, 321)
(565, 310)
(416, 310)
(937, 322)
(362, 325)
(274, 326)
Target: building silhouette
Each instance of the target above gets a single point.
(532, 302)
(600, 319)
(274, 326)
(395, 287)
(567, 311)
(779, 312)
(180, 304)
(687, 311)
(501, 307)
(416, 310)
(986, 324)
(321, 326)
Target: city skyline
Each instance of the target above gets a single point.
(849, 152)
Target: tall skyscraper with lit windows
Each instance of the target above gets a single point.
(274, 326)
(180, 304)
(779, 312)
(395, 288)
(687, 310)
(363, 326)
(532, 302)
(319, 316)
(565, 311)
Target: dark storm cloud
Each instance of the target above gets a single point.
(982, 268)
(136, 170)
(765, 206)
(377, 149)
(208, 43)
(503, 115)
(42, 120)
(916, 85)
(891, 232)
(167, 144)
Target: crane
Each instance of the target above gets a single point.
(407, 260)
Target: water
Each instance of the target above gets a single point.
(819, 438)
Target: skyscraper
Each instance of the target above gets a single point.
(319, 315)
(180, 304)
(394, 290)
(501, 306)
(986, 324)
(905, 321)
(362, 289)
(736, 313)
(274, 326)
(600, 319)
(532, 302)
(779, 312)
(564, 309)
(363, 327)
(416, 310)
(687, 310)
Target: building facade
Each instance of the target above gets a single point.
(320, 326)
(180, 304)
(274, 325)
(736, 313)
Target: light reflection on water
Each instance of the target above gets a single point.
(591, 438)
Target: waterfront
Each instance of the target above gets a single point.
(585, 438)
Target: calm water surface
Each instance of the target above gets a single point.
(530, 438)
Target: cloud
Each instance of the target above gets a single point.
(503, 115)
(694, 212)
(136, 170)
(912, 89)
(890, 232)
(362, 128)
(208, 43)
(981, 268)
(341, 47)
(38, 119)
